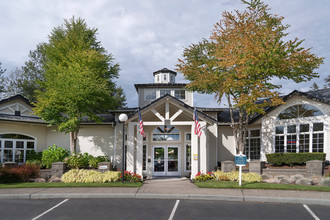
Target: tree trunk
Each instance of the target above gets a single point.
(73, 141)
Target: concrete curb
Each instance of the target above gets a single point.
(169, 196)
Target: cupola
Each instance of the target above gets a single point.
(164, 76)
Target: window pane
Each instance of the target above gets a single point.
(291, 144)
(19, 156)
(149, 94)
(280, 130)
(9, 144)
(318, 127)
(144, 157)
(16, 136)
(180, 94)
(255, 133)
(19, 144)
(164, 92)
(188, 137)
(303, 143)
(304, 128)
(8, 156)
(291, 129)
(188, 157)
(318, 142)
(30, 145)
(279, 144)
(299, 111)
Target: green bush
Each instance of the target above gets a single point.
(90, 176)
(32, 155)
(291, 159)
(234, 176)
(93, 162)
(53, 154)
(79, 160)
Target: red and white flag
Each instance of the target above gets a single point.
(198, 130)
(141, 124)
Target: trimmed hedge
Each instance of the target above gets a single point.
(293, 158)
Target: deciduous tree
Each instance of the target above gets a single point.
(246, 51)
(78, 79)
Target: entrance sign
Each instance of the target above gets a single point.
(195, 156)
(240, 161)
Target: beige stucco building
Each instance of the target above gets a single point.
(170, 147)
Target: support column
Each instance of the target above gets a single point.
(194, 151)
(203, 149)
(130, 148)
(139, 153)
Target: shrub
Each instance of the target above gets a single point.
(130, 176)
(90, 176)
(200, 177)
(53, 154)
(79, 160)
(93, 162)
(234, 176)
(32, 155)
(293, 158)
(20, 173)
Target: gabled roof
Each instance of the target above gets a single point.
(178, 101)
(14, 98)
(320, 95)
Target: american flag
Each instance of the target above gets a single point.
(198, 129)
(141, 125)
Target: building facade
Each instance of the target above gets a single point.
(170, 147)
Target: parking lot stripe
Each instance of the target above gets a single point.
(50, 209)
(311, 212)
(174, 209)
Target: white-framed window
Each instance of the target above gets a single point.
(180, 93)
(13, 147)
(187, 152)
(299, 129)
(145, 153)
(149, 94)
(172, 78)
(252, 145)
(164, 92)
(165, 77)
(166, 133)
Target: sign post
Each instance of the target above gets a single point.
(240, 161)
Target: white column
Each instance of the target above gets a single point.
(203, 149)
(130, 148)
(139, 152)
(194, 151)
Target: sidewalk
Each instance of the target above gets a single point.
(179, 188)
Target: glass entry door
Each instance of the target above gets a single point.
(166, 161)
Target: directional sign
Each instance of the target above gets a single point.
(240, 160)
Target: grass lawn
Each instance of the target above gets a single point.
(50, 185)
(233, 185)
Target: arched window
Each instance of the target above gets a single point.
(14, 147)
(299, 111)
(166, 133)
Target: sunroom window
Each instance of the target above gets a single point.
(166, 133)
(13, 147)
(301, 135)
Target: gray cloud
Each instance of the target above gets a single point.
(145, 36)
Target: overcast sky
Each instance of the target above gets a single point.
(148, 35)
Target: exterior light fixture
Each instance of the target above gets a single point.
(123, 118)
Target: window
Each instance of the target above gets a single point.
(13, 147)
(145, 153)
(302, 138)
(165, 77)
(180, 94)
(172, 78)
(164, 92)
(166, 133)
(252, 148)
(149, 94)
(299, 111)
(187, 149)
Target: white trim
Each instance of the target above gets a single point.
(158, 115)
(176, 115)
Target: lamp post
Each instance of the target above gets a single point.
(122, 118)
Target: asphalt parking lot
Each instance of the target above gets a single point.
(155, 209)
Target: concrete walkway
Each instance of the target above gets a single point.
(174, 188)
